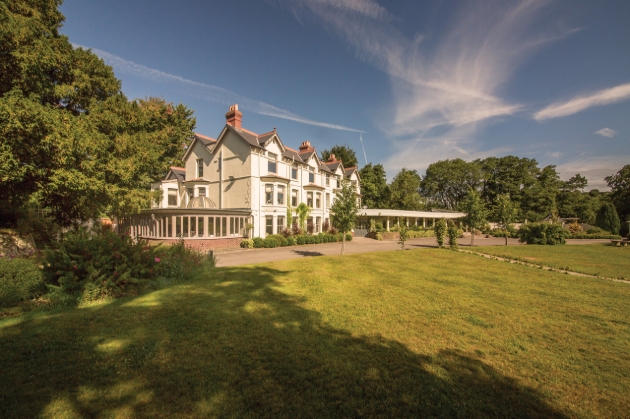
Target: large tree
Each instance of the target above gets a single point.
(374, 186)
(344, 153)
(447, 182)
(405, 191)
(619, 184)
(70, 141)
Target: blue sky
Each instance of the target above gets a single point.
(420, 81)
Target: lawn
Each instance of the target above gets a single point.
(594, 259)
(420, 333)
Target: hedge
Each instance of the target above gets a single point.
(542, 233)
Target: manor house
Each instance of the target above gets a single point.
(240, 184)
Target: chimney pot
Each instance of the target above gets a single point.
(234, 117)
(306, 146)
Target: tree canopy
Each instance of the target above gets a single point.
(344, 153)
(374, 186)
(405, 191)
(345, 210)
(70, 141)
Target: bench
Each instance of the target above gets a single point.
(622, 242)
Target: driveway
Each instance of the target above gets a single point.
(236, 257)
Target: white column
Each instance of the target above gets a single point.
(387, 223)
(424, 222)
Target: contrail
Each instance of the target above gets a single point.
(363, 147)
(207, 91)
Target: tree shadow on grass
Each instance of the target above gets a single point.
(307, 253)
(236, 346)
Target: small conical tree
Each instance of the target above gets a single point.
(440, 231)
(345, 210)
(476, 213)
(607, 218)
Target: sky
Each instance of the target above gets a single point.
(403, 83)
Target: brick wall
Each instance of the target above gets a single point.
(205, 245)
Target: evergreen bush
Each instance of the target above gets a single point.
(290, 241)
(440, 231)
(258, 242)
(247, 244)
(542, 233)
(20, 279)
(270, 242)
(607, 218)
(301, 240)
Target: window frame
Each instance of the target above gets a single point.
(280, 195)
(268, 226)
(295, 194)
(269, 193)
(199, 168)
(272, 163)
(309, 199)
(172, 192)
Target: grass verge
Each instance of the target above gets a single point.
(426, 333)
(594, 259)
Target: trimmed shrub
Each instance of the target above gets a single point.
(301, 239)
(348, 237)
(259, 242)
(290, 241)
(20, 279)
(440, 231)
(379, 227)
(596, 230)
(379, 236)
(281, 241)
(270, 242)
(453, 234)
(247, 244)
(542, 233)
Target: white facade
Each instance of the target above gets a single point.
(256, 175)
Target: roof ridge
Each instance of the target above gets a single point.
(351, 167)
(205, 136)
(292, 149)
(177, 167)
(247, 131)
(266, 133)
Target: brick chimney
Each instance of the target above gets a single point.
(234, 117)
(306, 146)
(332, 158)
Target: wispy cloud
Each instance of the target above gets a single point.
(606, 132)
(444, 91)
(209, 92)
(594, 168)
(580, 103)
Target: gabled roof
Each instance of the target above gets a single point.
(307, 155)
(179, 173)
(264, 138)
(334, 165)
(250, 137)
(350, 170)
(292, 154)
(203, 139)
(325, 168)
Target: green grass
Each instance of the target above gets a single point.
(422, 333)
(594, 259)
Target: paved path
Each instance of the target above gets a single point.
(237, 257)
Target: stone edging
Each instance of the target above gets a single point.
(544, 267)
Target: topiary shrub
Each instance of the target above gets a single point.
(247, 244)
(20, 279)
(453, 234)
(379, 227)
(258, 242)
(290, 241)
(349, 237)
(301, 240)
(542, 233)
(281, 241)
(379, 236)
(440, 231)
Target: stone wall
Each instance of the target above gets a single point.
(12, 245)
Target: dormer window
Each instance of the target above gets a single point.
(199, 168)
(272, 165)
